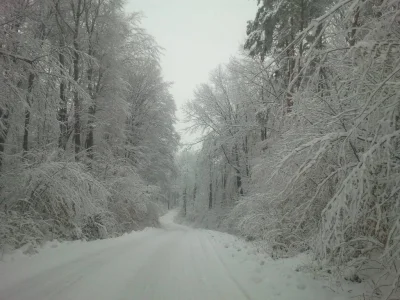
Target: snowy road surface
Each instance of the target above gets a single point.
(175, 262)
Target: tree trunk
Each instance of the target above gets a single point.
(262, 121)
(289, 94)
(4, 111)
(210, 193)
(246, 153)
(194, 192)
(77, 107)
(4, 126)
(224, 186)
(299, 59)
(351, 39)
(89, 143)
(90, 28)
(62, 111)
(184, 202)
(77, 101)
(238, 175)
(290, 70)
(263, 134)
(25, 143)
(26, 131)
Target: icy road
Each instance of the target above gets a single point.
(171, 263)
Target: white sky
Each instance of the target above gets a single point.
(197, 35)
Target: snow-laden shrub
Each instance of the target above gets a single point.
(17, 230)
(277, 209)
(55, 198)
(130, 200)
(98, 226)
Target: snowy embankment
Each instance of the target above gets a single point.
(175, 262)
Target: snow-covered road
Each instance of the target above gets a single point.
(175, 262)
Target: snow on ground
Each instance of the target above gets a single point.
(174, 262)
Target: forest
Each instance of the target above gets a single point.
(87, 137)
(298, 147)
(300, 138)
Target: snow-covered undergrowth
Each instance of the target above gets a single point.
(66, 201)
(201, 218)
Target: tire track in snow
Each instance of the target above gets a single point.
(202, 260)
(217, 258)
(146, 277)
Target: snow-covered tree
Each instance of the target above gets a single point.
(319, 117)
(87, 141)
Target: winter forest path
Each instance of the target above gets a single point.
(174, 262)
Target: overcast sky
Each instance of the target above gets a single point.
(197, 35)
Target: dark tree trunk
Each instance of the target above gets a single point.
(238, 175)
(246, 153)
(25, 143)
(224, 186)
(77, 100)
(299, 60)
(89, 143)
(184, 201)
(62, 111)
(263, 134)
(290, 73)
(262, 120)
(291, 67)
(210, 195)
(77, 106)
(4, 125)
(26, 131)
(351, 39)
(4, 111)
(90, 28)
(194, 192)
